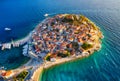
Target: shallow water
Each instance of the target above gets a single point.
(22, 17)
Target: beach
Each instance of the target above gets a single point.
(23, 18)
(38, 72)
(46, 65)
(40, 38)
(85, 53)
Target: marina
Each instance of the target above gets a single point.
(15, 43)
(18, 18)
(47, 44)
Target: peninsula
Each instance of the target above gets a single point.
(56, 40)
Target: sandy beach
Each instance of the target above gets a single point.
(39, 66)
(38, 72)
(48, 64)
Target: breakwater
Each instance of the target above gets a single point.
(17, 43)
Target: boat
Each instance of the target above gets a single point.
(7, 29)
(46, 15)
(0, 44)
(1, 68)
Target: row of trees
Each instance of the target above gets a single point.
(21, 76)
(86, 46)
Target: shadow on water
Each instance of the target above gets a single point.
(13, 58)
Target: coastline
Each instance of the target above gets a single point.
(39, 68)
(21, 41)
(97, 46)
(27, 63)
(16, 43)
(38, 73)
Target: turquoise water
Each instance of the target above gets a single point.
(23, 15)
(102, 65)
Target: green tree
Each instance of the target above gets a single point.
(86, 46)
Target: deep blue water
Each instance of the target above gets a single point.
(23, 15)
(12, 59)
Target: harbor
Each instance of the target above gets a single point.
(54, 42)
(11, 44)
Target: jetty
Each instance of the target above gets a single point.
(56, 40)
(18, 43)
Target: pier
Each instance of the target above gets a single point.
(15, 43)
(20, 42)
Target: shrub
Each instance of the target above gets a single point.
(47, 57)
(21, 76)
(63, 55)
(86, 46)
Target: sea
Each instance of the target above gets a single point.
(22, 16)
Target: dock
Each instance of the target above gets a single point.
(18, 43)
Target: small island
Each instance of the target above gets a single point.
(58, 39)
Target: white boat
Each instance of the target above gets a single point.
(0, 44)
(7, 29)
(2, 67)
(46, 15)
